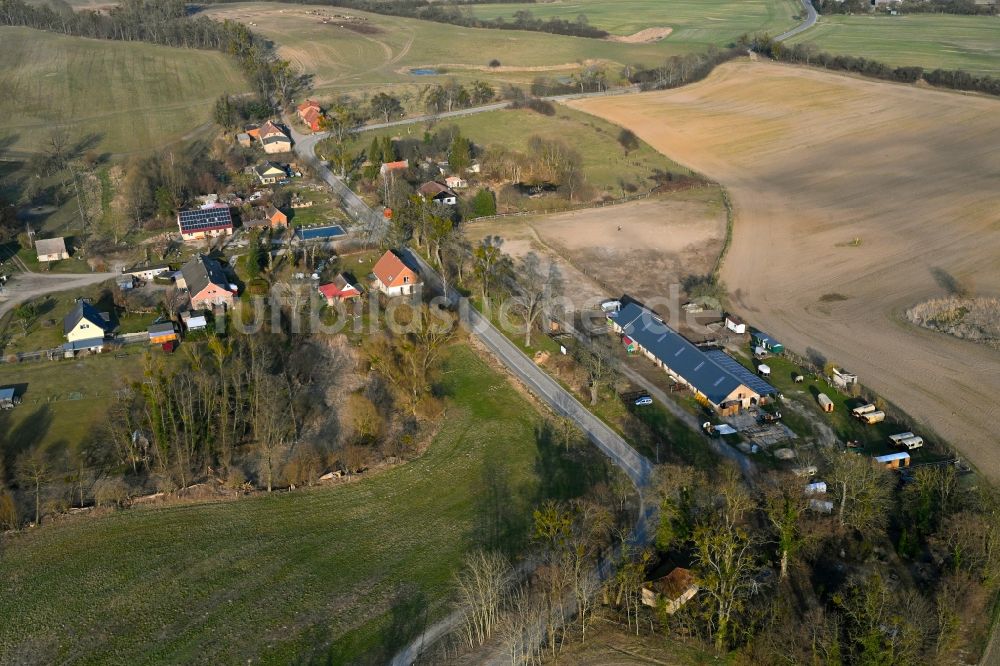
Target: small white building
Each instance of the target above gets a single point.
(51, 249)
(735, 324)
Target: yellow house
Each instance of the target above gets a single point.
(85, 328)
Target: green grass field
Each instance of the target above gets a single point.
(931, 41)
(132, 97)
(324, 575)
(64, 402)
(344, 60)
(703, 22)
(604, 161)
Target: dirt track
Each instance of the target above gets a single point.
(814, 160)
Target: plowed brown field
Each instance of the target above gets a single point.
(813, 161)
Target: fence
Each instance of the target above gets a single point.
(58, 353)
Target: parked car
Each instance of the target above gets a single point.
(255, 196)
(284, 181)
(644, 401)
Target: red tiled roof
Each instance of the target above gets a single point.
(390, 271)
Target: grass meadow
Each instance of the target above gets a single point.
(342, 59)
(334, 575)
(931, 41)
(703, 22)
(127, 97)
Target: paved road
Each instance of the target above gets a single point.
(809, 22)
(24, 286)
(638, 468)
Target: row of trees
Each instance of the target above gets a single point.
(248, 411)
(809, 54)
(965, 7)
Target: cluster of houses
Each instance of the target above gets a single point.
(88, 330)
(272, 137)
(432, 190)
(390, 276)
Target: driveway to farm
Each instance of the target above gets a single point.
(25, 286)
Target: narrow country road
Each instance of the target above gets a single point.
(808, 22)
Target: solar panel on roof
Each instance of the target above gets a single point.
(205, 218)
(738, 370)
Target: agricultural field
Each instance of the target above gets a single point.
(335, 575)
(117, 97)
(605, 163)
(702, 22)
(850, 209)
(662, 240)
(347, 50)
(931, 41)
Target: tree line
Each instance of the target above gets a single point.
(964, 7)
(450, 12)
(809, 54)
(169, 24)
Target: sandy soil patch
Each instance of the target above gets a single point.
(662, 240)
(814, 160)
(647, 36)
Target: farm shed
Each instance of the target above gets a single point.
(824, 402)
(858, 412)
(735, 324)
(676, 589)
(51, 249)
(894, 460)
(194, 322)
(162, 333)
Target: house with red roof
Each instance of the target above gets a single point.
(310, 114)
(393, 167)
(393, 277)
(339, 291)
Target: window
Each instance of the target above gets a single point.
(406, 279)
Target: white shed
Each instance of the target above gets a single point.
(764, 370)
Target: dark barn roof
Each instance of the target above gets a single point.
(738, 370)
(677, 353)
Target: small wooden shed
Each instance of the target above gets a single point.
(824, 402)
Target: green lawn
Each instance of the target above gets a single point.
(605, 163)
(63, 402)
(694, 22)
(322, 575)
(130, 97)
(931, 41)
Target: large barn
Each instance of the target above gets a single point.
(719, 381)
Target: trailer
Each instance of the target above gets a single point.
(863, 409)
(911, 443)
(816, 488)
(871, 418)
(894, 460)
(896, 439)
(825, 403)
